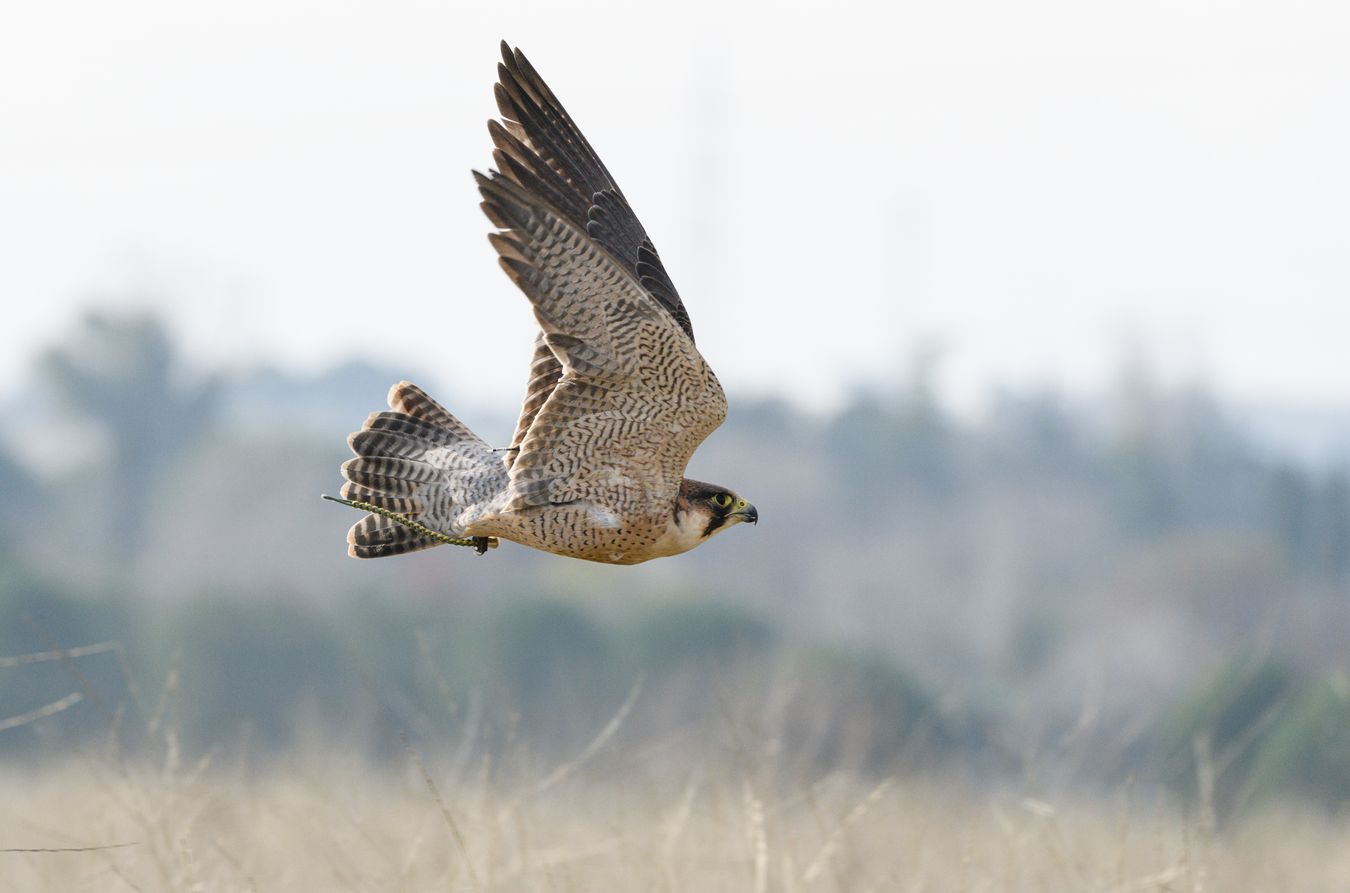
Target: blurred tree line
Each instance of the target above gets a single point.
(121, 374)
(931, 588)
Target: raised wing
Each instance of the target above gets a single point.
(635, 398)
(540, 148)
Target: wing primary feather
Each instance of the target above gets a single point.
(558, 139)
(528, 76)
(519, 163)
(549, 141)
(520, 271)
(541, 148)
(574, 246)
(490, 211)
(506, 246)
(510, 200)
(555, 193)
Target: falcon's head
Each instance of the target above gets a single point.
(703, 509)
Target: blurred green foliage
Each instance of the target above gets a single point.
(1262, 730)
(538, 674)
(1004, 564)
(1308, 750)
(545, 675)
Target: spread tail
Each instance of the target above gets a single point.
(418, 462)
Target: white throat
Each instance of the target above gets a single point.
(683, 532)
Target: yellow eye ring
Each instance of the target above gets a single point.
(722, 500)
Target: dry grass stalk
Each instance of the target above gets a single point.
(42, 712)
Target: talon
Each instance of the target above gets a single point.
(480, 543)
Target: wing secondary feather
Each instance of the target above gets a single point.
(634, 399)
(539, 148)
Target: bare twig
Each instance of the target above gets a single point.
(445, 812)
(822, 859)
(596, 745)
(680, 818)
(20, 660)
(754, 810)
(54, 707)
(69, 849)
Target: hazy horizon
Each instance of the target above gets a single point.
(1034, 193)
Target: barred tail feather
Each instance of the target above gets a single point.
(377, 537)
(417, 461)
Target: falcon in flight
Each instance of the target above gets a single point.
(618, 397)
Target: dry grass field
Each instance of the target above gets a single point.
(325, 823)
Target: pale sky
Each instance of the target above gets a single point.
(1034, 187)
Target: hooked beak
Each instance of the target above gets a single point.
(746, 512)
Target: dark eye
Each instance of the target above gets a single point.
(722, 500)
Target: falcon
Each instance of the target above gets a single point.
(618, 399)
